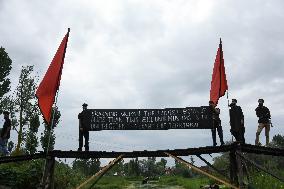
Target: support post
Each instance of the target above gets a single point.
(48, 175)
(240, 170)
(233, 167)
(99, 174)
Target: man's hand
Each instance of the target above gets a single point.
(81, 129)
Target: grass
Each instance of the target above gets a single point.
(259, 181)
(187, 183)
(110, 182)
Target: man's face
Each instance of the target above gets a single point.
(260, 103)
(84, 107)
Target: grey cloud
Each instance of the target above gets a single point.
(151, 55)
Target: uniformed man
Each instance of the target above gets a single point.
(264, 117)
(237, 122)
(5, 133)
(82, 130)
(215, 112)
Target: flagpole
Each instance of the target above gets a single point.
(53, 113)
(221, 58)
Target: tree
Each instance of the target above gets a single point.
(49, 130)
(32, 140)
(24, 101)
(5, 68)
(86, 166)
(161, 166)
(182, 169)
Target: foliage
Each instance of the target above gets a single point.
(132, 168)
(48, 130)
(182, 170)
(32, 140)
(264, 181)
(117, 169)
(66, 177)
(5, 68)
(28, 175)
(24, 101)
(86, 167)
(21, 175)
(192, 183)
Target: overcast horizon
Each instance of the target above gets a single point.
(150, 54)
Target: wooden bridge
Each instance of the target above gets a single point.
(235, 150)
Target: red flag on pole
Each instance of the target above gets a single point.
(49, 85)
(219, 83)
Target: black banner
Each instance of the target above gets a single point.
(147, 119)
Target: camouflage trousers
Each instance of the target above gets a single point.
(259, 129)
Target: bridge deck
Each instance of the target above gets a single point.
(159, 153)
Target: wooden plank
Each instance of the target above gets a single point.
(201, 171)
(99, 174)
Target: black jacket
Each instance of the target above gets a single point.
(82, 124)
(236, 115)
(263, 114)
(6, 129)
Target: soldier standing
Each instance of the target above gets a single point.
(264, 117)
(83, 130)
(216, 123)
(5, 133)
(237, 121)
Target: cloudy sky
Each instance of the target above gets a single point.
(150, 54)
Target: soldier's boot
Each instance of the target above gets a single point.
(257, 138)
(267, 140)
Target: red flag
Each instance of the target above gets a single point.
(219, 83)
(50, 83)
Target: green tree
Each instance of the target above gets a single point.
(5, 68)
(32, 139)
(132, 168)
(25, 101)
(182, 170)
(117, 169)
(48, 130)
(161, 166)
(86, 166)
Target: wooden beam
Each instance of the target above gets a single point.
(99, 174)
(193, 167)
(210, 165)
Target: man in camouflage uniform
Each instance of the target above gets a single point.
(264, 117)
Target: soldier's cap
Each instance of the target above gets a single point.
(6, 113)
(260, 100)
(85, 105)
(234, 100)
